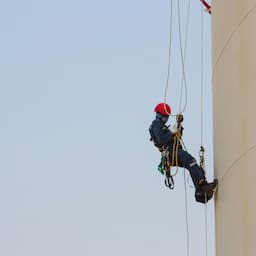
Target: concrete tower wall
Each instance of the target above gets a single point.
(234, 97)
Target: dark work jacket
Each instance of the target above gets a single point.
(160, 134)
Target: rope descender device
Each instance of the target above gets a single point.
(201, 155)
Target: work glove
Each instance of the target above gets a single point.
(179, 118)
(174, 130)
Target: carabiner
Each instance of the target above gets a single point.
(169, 182)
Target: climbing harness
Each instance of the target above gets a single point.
(165, 168)
(207, 6)
(168, 162)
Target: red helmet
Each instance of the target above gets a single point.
(163, 109)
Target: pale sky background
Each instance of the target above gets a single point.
(78, 85)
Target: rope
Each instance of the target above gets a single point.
(170, 55)
(235, 162)
(230, 38)
(202, 73)
(177, 141)
(202, 112)
(185, 51)
(180, 140)
(186, 207)
(177, 138)
(206, 225)
(182, 56)
(175, 150)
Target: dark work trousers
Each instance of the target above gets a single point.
(189, 162)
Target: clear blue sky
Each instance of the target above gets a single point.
(78, 84)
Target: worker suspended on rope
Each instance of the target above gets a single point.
(168, 140)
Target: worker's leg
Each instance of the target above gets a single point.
(196, 173)
(189, 162)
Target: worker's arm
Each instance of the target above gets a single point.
(162, 134)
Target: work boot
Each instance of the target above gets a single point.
(209, 195)
(208, 187)
(203, 197)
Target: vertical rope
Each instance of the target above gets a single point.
(185, 51)
(202, 72)
(186, 207)
(182, 58)
(206, 225)
(184, 80)
(202, 112)
(170, 54)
